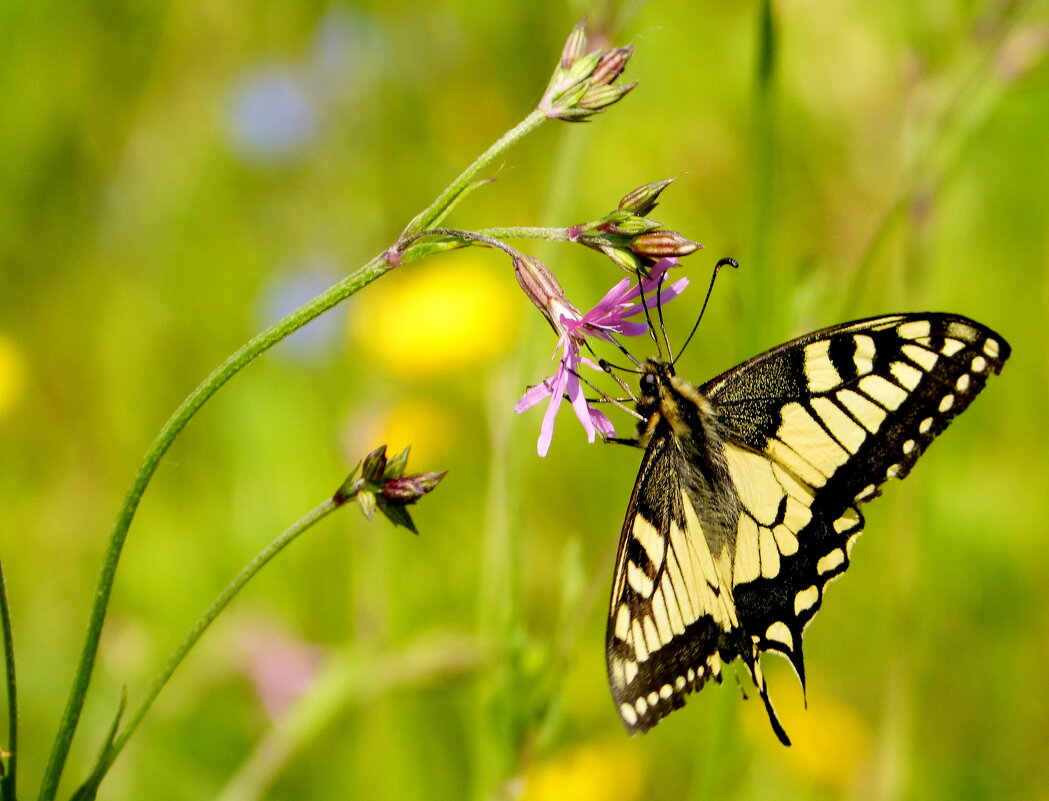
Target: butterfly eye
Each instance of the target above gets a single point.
(648, 384)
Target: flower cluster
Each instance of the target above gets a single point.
(612, 315)
(629, 238)
(584, 83)
(384, 486)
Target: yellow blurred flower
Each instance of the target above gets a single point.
(12, 374)
(428, 427)
(461, 310)
(603, 771)
(830, 744)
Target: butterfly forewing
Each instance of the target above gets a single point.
(802, 435)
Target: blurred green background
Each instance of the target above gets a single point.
(175, 176)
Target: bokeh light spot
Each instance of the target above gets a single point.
(271, 116)
(458, 312)
(12, 374)
(602, 771)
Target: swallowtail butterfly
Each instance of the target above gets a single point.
(747, 501)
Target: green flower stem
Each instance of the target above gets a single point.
(251, 350)
(543, 234)
(217, 606)
(437, 209)
(7, 778)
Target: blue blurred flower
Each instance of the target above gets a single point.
(291, 288)
(272, 117)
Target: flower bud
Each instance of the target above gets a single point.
(543, 290)
(575, 45)
(395, 466)
(611, 65)
(602, 96)
(374, 465)
(629, 225)
(409, 489)
(582, 83)
(643, 199)
(366, 500)
(663, 243)
(622, 258)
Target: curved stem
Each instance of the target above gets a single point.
(217, 606)
(8, 779)
(189, 407)
(436, 210)
(526, 232)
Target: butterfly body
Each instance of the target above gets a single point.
(746, 502)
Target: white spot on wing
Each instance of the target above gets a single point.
(638, 580)
(963, 382)
(769, 554)
(914, 329)
(746, 566)
(947, 402)
(806, 599)
(921, 356)
(869, 414)
(623, 622)
(909, 377)
(832, 561)
(863, 358)
(755, 482)
(650, 538)
(638, 641)
(785, 540)
(979, 364)
(842, 427)
(925, 426)
(807, 438)
(628, 713)
(630, 670)
(819, 369)
(847, 521)
(779, 632)
(882, 391)
(991, 348)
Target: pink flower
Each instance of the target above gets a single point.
(610, 316)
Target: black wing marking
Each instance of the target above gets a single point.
(814, 427)
(671, 610)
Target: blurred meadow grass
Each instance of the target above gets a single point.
(176, 176)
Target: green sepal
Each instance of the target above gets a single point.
(395, 466)
(399, 516)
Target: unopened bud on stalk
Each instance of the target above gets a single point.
(582, 84)
(544, 291)
(645, 198)
(657, 244)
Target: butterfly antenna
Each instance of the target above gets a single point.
(659, 312)
(606, 398)
(622, 350)
(648, 317)
(726, 262)
(608, 368)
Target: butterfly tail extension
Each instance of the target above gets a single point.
(753, 663)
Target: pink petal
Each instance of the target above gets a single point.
(546, 431)
(533, 396)
(602, 423)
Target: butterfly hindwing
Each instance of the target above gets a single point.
(757, 477)
(672, 608)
